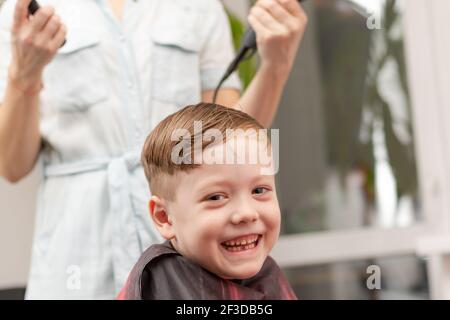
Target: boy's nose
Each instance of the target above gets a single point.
(244, 213)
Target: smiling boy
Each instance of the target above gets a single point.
(217, 208)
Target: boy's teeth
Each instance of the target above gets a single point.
(244, 242)
(241, 248)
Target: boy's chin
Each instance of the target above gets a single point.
(243, 274)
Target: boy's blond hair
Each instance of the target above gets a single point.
(157, 152)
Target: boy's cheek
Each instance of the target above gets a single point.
(209, 227)
(274, 215)
(275, 224)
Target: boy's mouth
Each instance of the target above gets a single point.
(242, 243)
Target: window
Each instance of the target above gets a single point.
(364, 165)
(347, 140)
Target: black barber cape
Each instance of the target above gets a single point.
(163, 274)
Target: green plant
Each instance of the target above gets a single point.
(247, 69)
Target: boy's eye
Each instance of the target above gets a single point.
(260, 190)
(216, 197)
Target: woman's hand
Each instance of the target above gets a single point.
(35, 41)
(279, 27)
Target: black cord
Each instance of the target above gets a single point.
(243, 54)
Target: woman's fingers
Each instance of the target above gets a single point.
(59, 38)
(36, 40)
(260, 29)
(296, 10)
(50, 29)
(294, 7)
(270, 23)
(280, 13)
(40, 19)
(257, 25)
(20, 14)
(279, 27)
(288, 13)
(40, 30)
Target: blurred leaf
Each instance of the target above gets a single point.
(247, 68)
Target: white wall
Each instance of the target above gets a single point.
(17, 212)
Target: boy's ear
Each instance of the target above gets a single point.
(160, 217)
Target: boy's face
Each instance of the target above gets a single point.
(225, 217)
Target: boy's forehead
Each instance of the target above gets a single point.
(239, 146)
(239, 155)
(208, 174)
(242, 152)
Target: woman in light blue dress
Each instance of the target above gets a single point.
(82, 111)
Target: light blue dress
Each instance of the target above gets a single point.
(105, 90)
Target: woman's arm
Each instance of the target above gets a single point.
(279, 26)
(19, 129)
(34, 43)
(260, 100)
